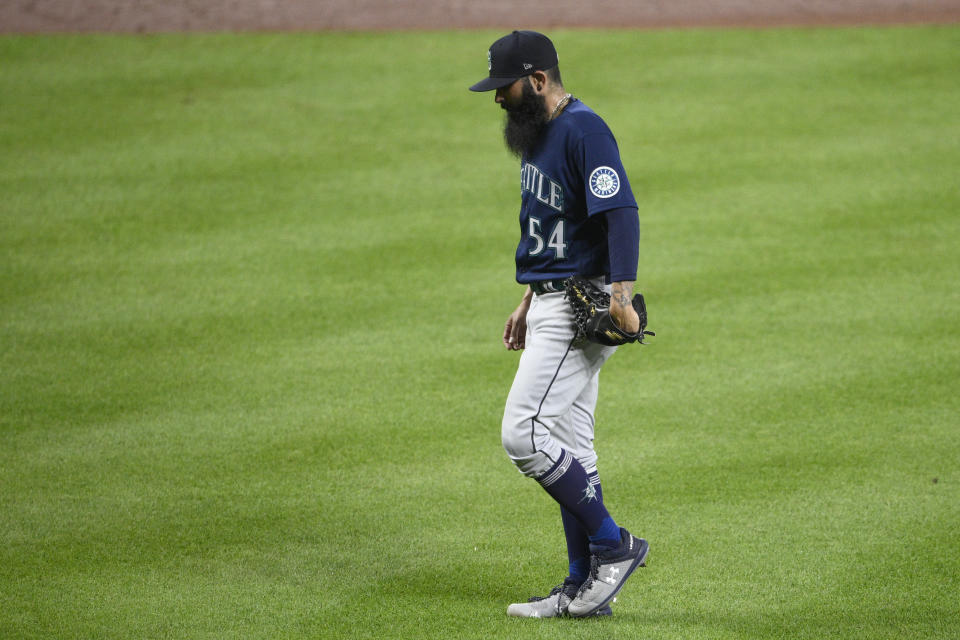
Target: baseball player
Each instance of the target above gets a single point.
(578, 216)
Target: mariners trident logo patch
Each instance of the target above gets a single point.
(604, 182)
(589, 494)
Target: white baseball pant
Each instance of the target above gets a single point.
(554, 394)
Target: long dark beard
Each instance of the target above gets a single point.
(525, 122)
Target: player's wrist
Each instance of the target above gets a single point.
(620, 293)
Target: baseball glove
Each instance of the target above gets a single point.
(591, 313)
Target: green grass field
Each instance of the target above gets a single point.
(251, 296)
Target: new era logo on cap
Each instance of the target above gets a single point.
(515, 56)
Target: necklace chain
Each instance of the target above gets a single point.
(560, 104)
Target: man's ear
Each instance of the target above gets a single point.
(538, 79)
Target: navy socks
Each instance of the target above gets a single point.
(585, 518)
(578, 540)
(608, 535)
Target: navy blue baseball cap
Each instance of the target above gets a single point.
(515, 56)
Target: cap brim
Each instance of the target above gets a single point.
(489, 84)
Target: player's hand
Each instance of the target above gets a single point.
(621, 307)
(515, 331)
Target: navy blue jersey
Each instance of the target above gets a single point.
(572, 175)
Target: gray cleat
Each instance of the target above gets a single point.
(553, 605)
(609, 569)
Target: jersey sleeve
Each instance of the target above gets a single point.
(623, 242)
(605, 181)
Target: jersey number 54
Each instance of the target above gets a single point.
(555, 240)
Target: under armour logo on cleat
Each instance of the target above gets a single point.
(612, 576)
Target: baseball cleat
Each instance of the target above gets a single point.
(609, 569)
(553, 605)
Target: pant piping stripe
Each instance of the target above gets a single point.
(533, 420)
